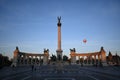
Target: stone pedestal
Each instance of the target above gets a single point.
(45, 60)
(59, 54)
(73, 59)
(46, 55)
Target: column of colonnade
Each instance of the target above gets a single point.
(87, 59)
(27, 60)
(23, 59)
(20, 61)
(35, 60)
(98, 57)
(95, 59)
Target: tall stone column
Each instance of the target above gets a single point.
(87, 59)
(79, 59)
(35, 60)
(20, 61)
(90, 59)
(24, 58)
(94, 59)
(82, 59)
(59, 50)
(27, 60)
(40, 60)
(98, 58)
(31, 59)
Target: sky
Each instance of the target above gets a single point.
(32, 25)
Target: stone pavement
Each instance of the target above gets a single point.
(10, 71)
(67, 72)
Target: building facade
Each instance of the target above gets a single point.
(113, 59)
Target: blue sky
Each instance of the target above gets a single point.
(32, 25)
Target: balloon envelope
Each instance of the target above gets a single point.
(84, 40)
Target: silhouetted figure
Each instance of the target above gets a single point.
(81, 64)
(32, 67)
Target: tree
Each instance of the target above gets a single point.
(4, 61)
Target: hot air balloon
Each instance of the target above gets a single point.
(84, 40)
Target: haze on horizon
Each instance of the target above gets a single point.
(32, 25)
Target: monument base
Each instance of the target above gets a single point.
(59, 54)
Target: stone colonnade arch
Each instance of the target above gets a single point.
(88, 57)
(22, 58)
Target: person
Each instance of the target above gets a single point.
(81, 64)
(32, 67)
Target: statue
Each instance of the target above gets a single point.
(17, 48)
(73, 50)
(59, 18)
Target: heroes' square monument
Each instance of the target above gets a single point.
(27, 58)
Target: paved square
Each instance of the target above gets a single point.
(68, 72)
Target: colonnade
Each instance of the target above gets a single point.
(26, 58)
(88, 58)
(22, 58)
